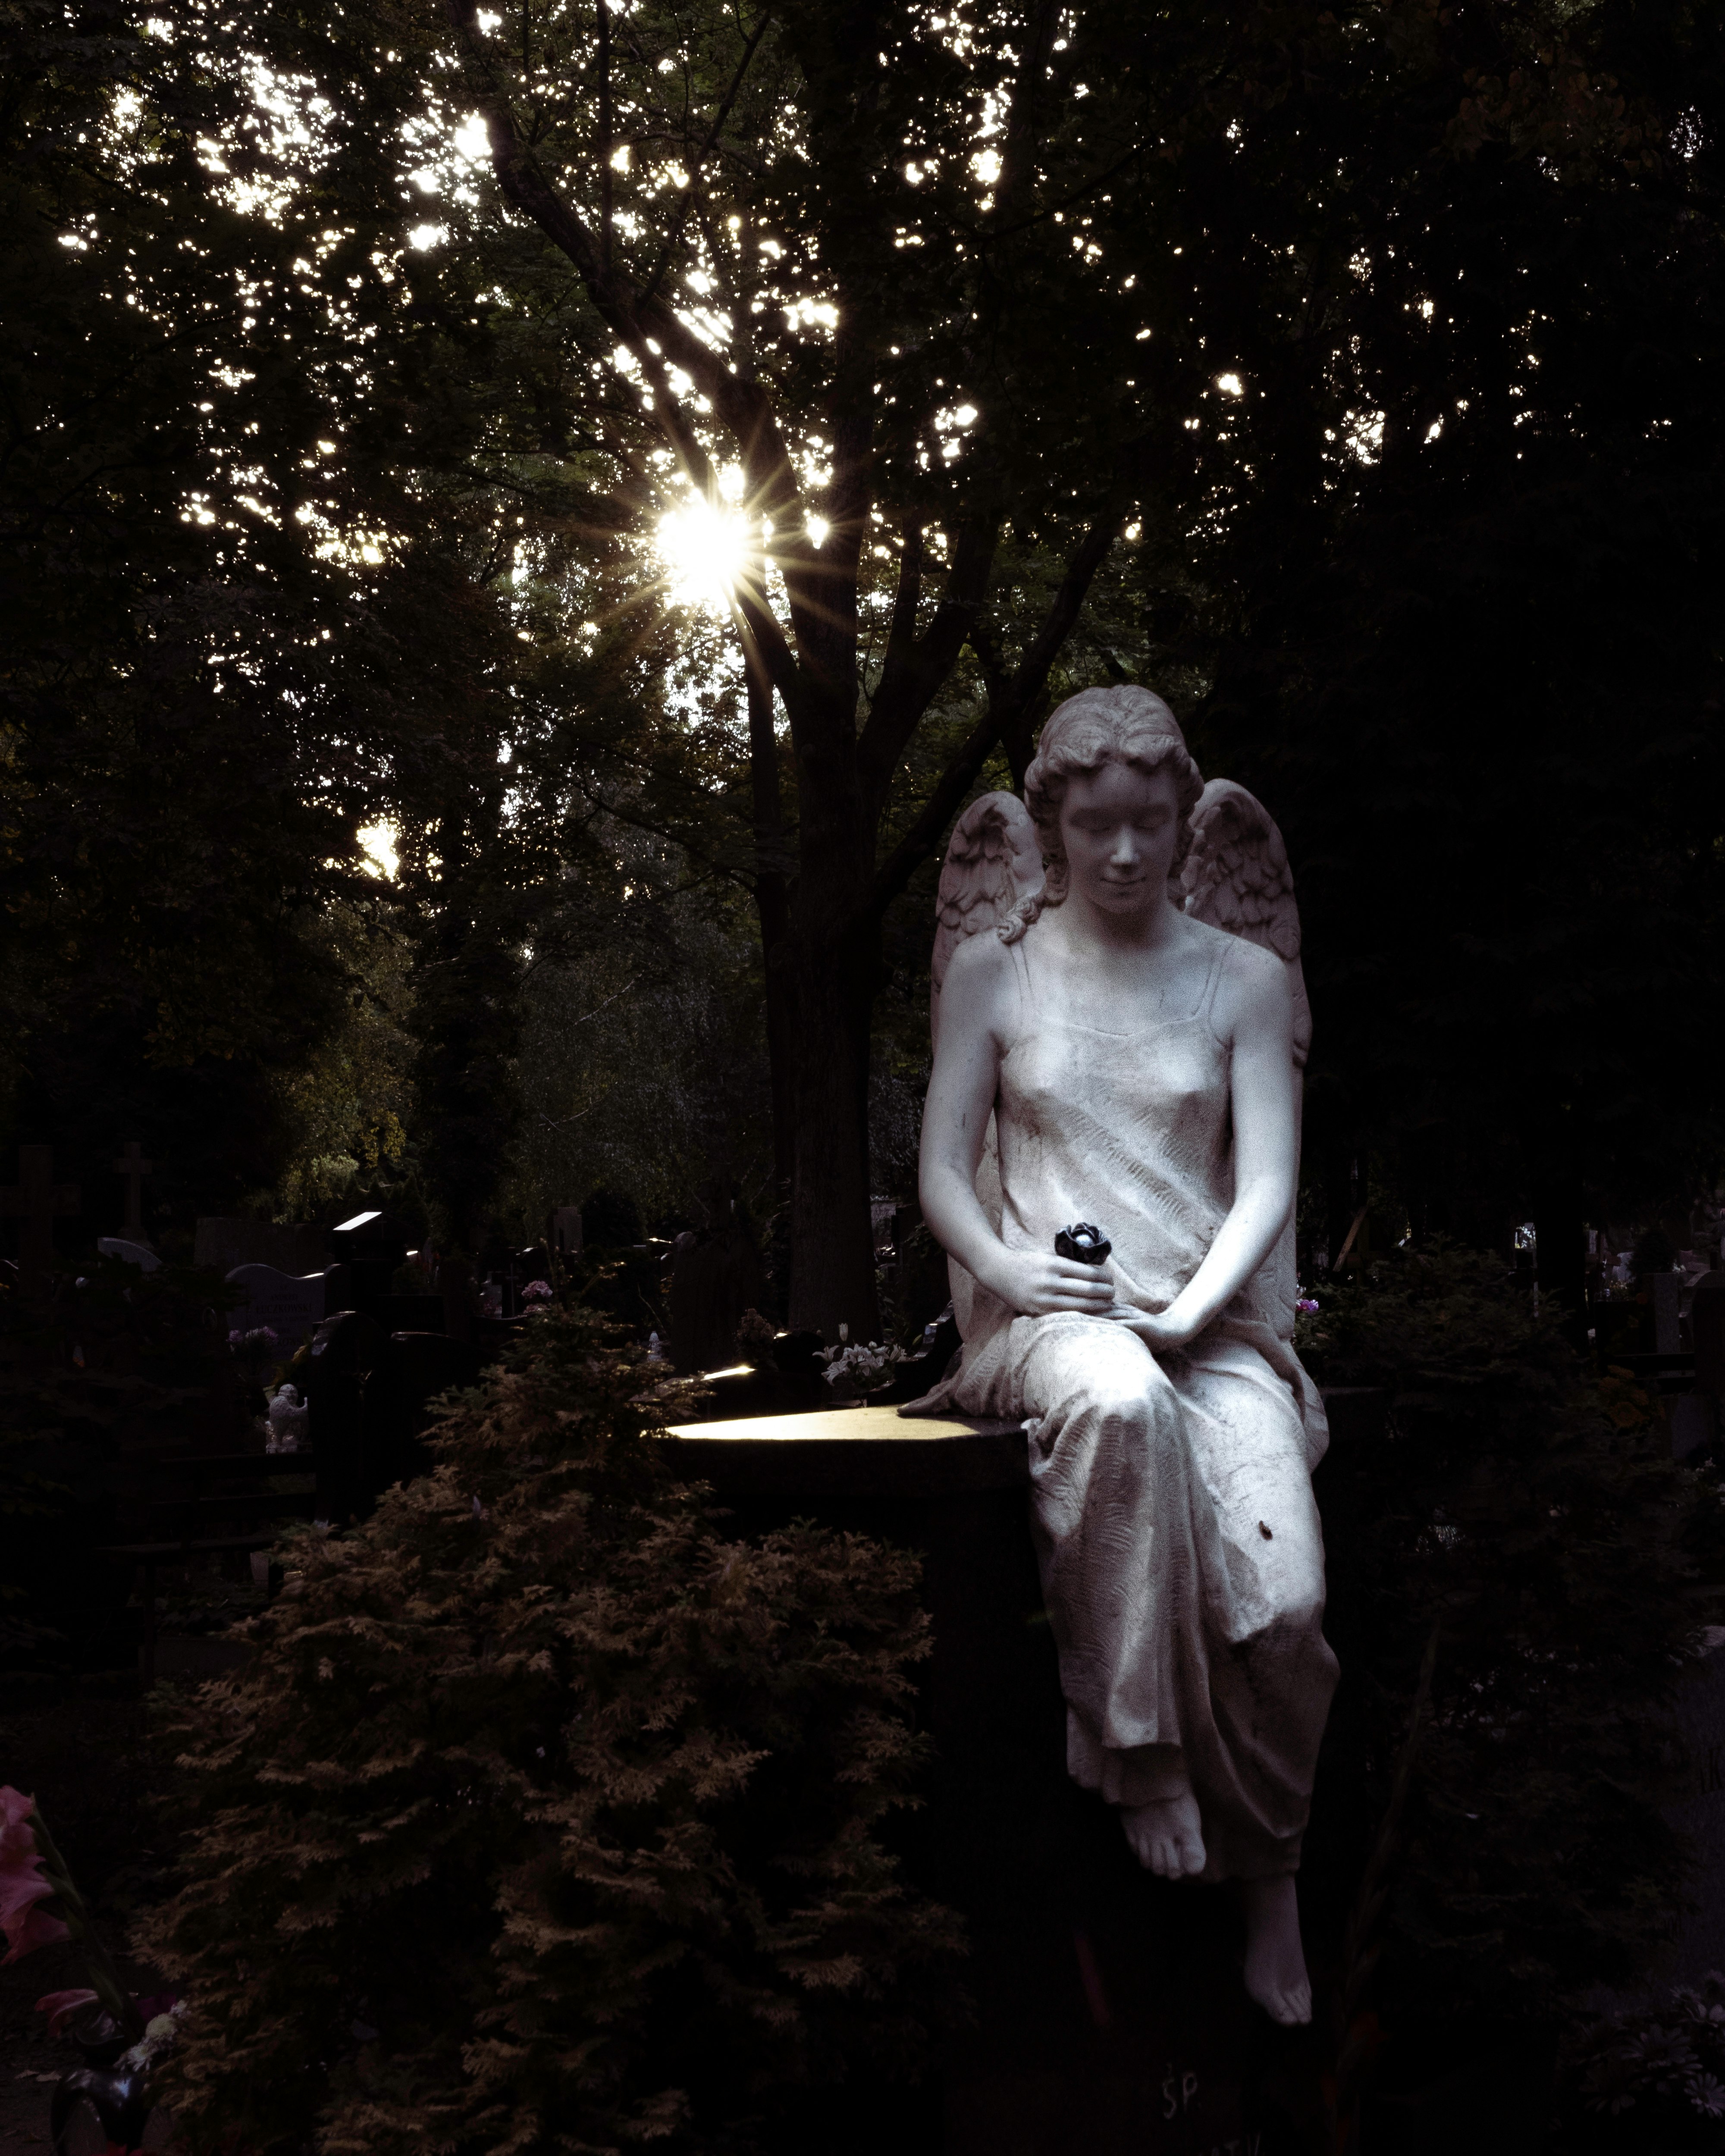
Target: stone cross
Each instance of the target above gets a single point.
(35, 1200)
(132, 1165)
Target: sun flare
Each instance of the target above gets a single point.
(703, 548)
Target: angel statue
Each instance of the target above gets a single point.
(1110, 1154)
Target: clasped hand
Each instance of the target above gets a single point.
(1039, 1286)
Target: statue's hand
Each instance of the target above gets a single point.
(1038, 1286)
(1161, 1332)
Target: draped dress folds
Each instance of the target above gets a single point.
(1181, 1554)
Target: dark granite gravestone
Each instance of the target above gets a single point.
(396, 1411)
(1706, 1329)
(292, 1308)
(1110, 2015)
(716, 1275)
(223, 1243)
(346, 1350)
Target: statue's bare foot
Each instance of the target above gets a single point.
(1274, 1959)
(1166, 1837)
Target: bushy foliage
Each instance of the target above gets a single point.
(1567, 1564)
(545, 1816)
(1658, 2072)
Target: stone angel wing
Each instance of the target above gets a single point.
(993, 865)
(1237, 877)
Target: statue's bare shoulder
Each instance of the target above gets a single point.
(1252, 991)
(979, 981)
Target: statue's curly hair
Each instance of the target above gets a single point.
(1125, 724)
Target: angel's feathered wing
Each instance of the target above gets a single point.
(1236, 877)
(994, 865)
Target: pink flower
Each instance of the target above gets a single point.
(57, 2006)
(22, 1886)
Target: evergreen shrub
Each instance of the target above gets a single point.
(545, 1815)
(1530, 1513)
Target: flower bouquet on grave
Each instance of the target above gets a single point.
(755, 1336)
(122, 2039)
(856, 1370)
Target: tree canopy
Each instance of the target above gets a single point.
(724, 431)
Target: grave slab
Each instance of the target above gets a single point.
(853, 1452)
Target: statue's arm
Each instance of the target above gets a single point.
(955, 1125)
(1256, 1008)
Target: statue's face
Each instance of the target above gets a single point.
(1120, 828)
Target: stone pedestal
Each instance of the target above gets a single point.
(1109, 2018)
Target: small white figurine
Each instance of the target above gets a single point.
(288, 1417)
(1110, 1157)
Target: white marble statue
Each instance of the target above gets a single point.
(1123, 1049)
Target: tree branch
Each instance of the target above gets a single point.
(607, 189)
(908, 687)
(1007, 715)
(1018, 143)
(700, 158)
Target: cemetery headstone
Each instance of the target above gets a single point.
(715, 1277)
(1706, 1326)
(1663, 1296)
(1707, 1333)
(132, 1165)
(290, 1308)
(455, 1284)
(366, 1250)
(346, 1350)
(1693, 1424)
(37, 1200)
(565, 1230)
(396, 1412)
(134, 1254)
(222, 1242)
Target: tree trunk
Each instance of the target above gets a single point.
(832, 1239)
(772, 907)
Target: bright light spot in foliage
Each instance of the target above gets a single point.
(704, 549)
(1230, 385)
(377, 842)
(472, 138)
(425, 235)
